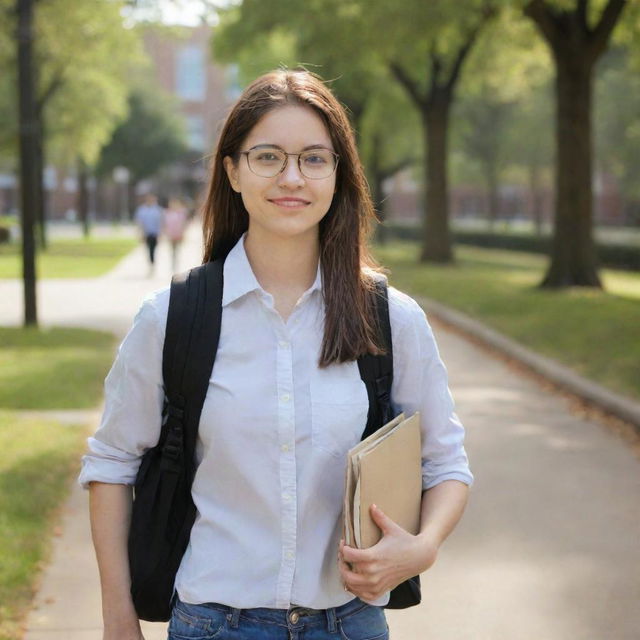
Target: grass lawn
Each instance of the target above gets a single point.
(46, 369)
(69, 257)
(595, 333)
(37, 462)
(56, 368)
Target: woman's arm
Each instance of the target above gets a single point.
(110, 513)
(399, 555)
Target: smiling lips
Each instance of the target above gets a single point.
(290, 203)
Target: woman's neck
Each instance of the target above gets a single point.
(282, 264)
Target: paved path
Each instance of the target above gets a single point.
(548, 549)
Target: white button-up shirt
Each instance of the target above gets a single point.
(273, 438)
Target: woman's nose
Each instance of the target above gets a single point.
(291, 175)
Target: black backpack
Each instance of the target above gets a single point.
(163, 510)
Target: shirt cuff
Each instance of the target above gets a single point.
(105, 463)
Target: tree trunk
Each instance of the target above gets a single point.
(83, 198)
(573, 253)
(436, 240)
(28, 153)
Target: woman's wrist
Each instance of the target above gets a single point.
(428, 544)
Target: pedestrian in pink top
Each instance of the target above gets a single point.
(176, 218)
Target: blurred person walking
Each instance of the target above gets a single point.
(149, 217)
(176, 219)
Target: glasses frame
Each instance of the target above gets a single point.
(286, 160)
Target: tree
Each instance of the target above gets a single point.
(84, 58)
(501, 84)
(577, 37)
(442, 36)
(151, 137)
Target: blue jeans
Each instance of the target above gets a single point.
(355, 620)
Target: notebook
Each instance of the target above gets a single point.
(384, 469)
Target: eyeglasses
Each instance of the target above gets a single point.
(267, 161)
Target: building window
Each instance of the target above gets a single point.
(233, 88)
(195, 132)
(190, 73)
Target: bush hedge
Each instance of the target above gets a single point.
(615, 256)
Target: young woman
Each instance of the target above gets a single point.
(289, 208)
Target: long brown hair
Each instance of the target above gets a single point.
(348, 269)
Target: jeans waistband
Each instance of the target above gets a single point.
(293, 616)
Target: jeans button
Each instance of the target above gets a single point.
(294, 617)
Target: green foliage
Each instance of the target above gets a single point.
(38, 459)
(84, 58)
(617, 119)
(84, 47)
(151, 137)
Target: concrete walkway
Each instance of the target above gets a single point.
(548, 549)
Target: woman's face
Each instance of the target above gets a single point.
(289, 204)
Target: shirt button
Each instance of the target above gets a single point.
(283, 344)
(289, 555)
(285, 447)
(286, 497)
(285, 397)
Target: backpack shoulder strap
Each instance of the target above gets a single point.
(377, 371)
(190, 346)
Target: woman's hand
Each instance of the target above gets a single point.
(398, 556)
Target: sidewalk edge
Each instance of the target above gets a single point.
(616, 404)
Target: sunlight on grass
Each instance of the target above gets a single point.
(69, 258)
(56, 368)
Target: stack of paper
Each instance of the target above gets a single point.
(384, 469)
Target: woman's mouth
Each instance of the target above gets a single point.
(290, 203)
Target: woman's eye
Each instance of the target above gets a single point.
(315, 159)
(267, 156)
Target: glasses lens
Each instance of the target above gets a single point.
(317, 163)
(266, 162)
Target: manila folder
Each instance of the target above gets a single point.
(390, 476)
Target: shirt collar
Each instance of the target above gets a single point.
(239, 278)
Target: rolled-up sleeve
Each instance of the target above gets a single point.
(133, 400)
(420, 384)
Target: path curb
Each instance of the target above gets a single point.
(618, 405)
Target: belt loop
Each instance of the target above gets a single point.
(235, 617)
(331, 620)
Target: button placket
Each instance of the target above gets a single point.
(286, 437)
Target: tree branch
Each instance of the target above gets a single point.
(540, 12)
(488, 12)
(49, 91)
(398, 166)
(436, 68)
(408, 83)
(602, 31)
(582, 9)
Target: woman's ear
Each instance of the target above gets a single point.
(232, 173)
